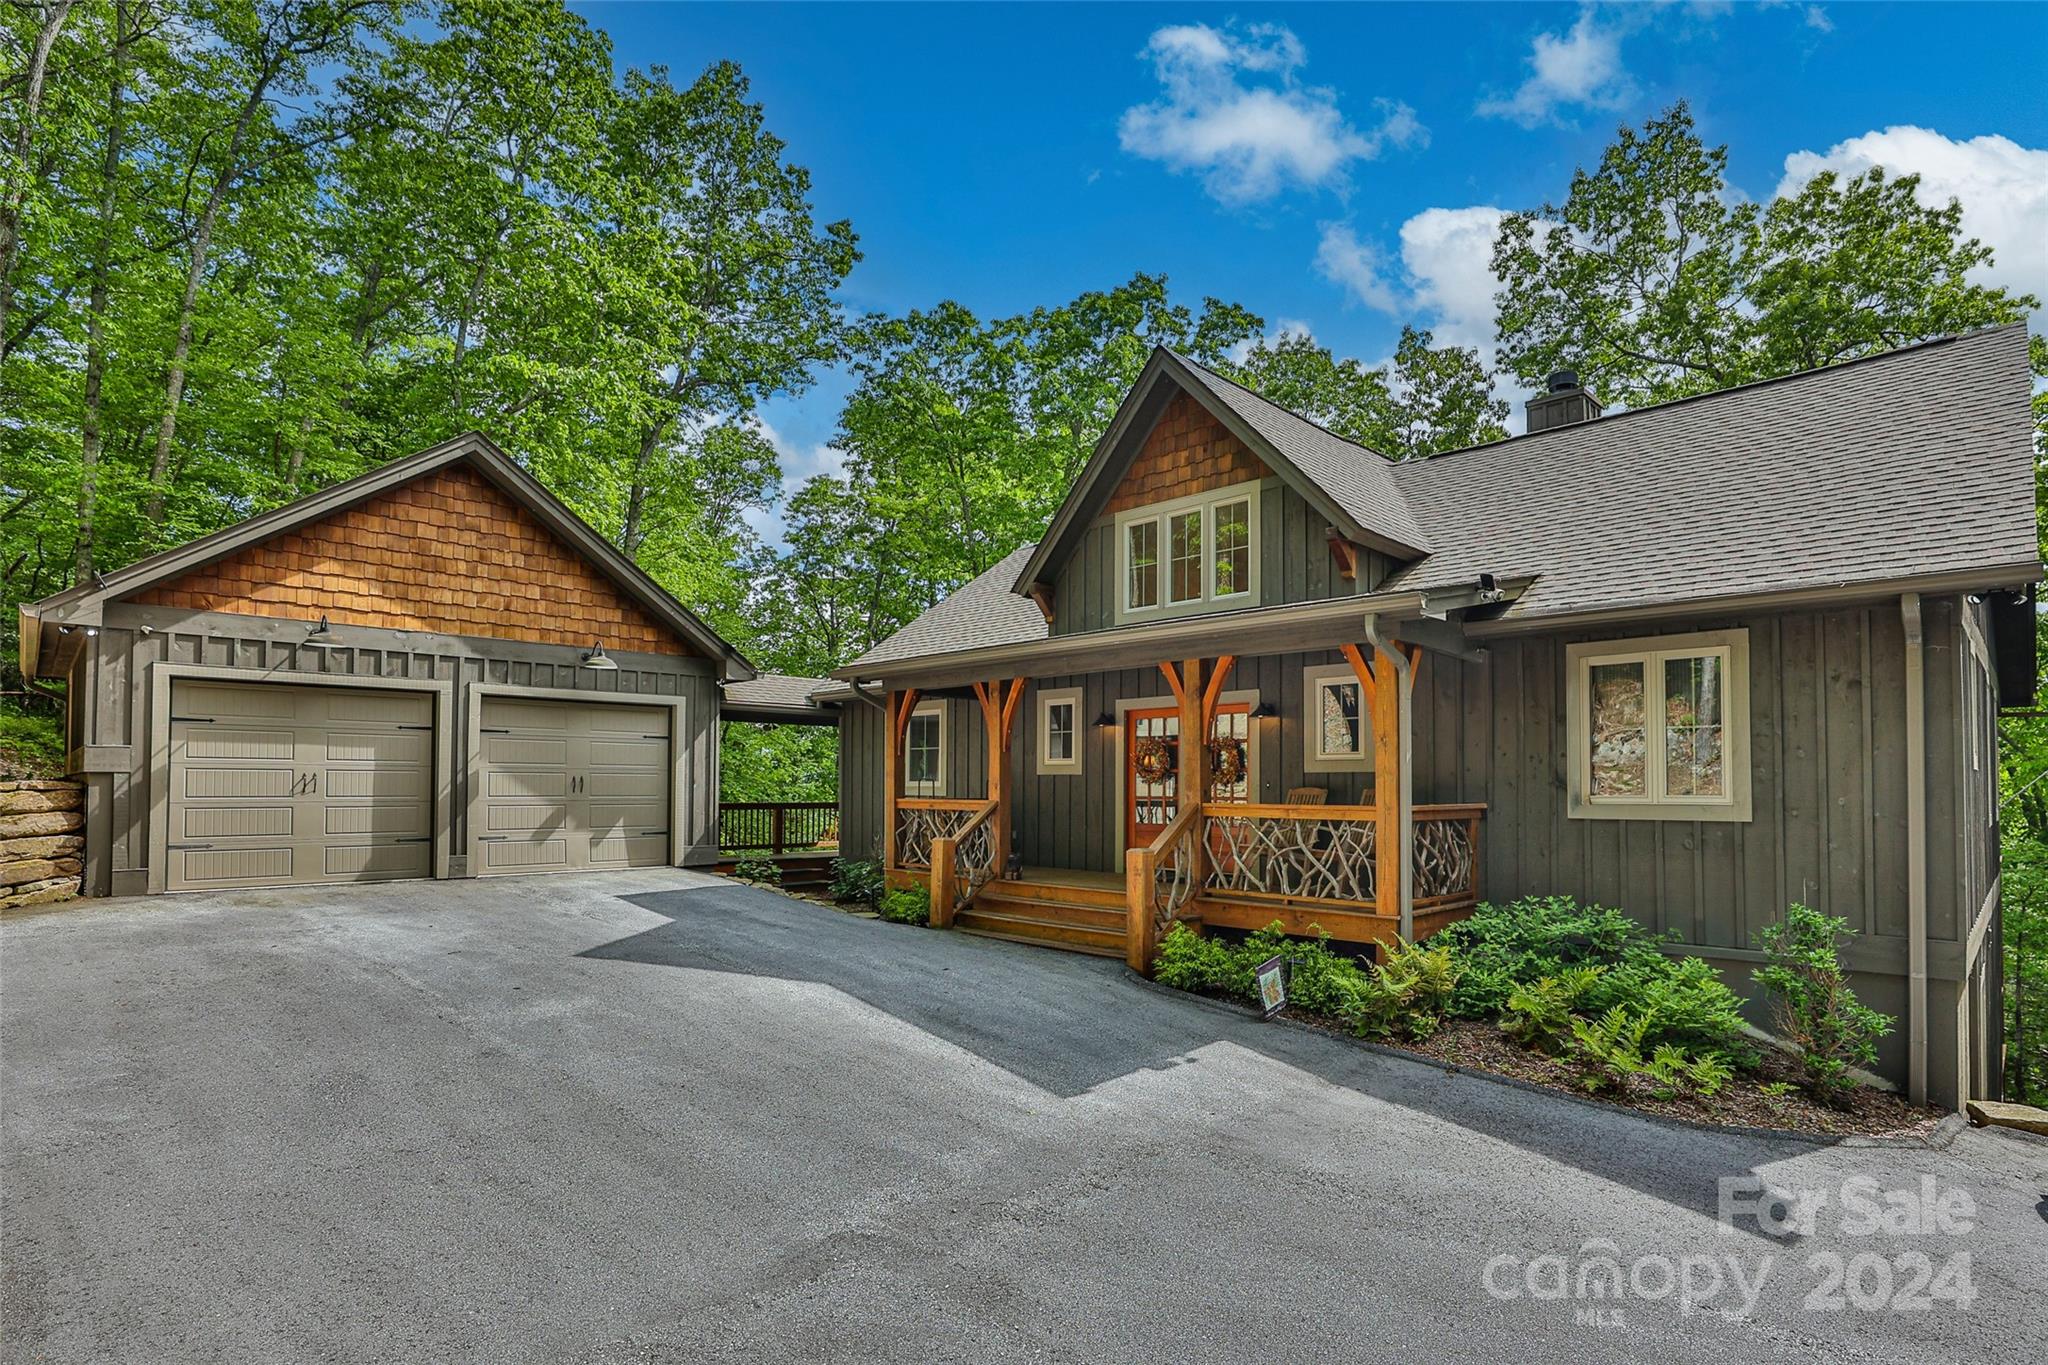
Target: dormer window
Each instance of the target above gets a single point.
(1180, 556)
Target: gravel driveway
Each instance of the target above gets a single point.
(655, 1117)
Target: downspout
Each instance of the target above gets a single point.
(1916, 850)
(1404, 777)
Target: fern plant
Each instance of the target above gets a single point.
(1539, 1014)
(1408, 993)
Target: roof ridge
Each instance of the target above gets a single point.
(1194, 364)
(1925, 343)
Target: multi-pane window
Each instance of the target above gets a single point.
(1141, 565)
(1339, 732)
(1184, 563)
(1654, 725)
(924, 753)
(1059, 730)
(1231, 572)
(1192, 550)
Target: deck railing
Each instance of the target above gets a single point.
(962, 864)
(1447, 855)
(777, 826)
(1160, 880)
(1321, 853)
(921, 819)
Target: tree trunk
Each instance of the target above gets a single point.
(24, 139)
(195, 274)
(90, 435)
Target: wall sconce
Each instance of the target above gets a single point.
(597, 658)
(1105, 721)
(1265, 710)
(320, 636)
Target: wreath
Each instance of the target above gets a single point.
(1153, 760)
(1226, 761)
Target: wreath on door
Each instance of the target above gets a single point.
(1152, 759)
(1226, 761)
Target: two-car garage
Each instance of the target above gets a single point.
(284, 784)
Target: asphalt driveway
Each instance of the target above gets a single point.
(654, 1117)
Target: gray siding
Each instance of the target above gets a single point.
(1295, 564)
(116, 710)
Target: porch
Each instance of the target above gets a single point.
(1196, 844)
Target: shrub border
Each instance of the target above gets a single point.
(1942, 1136)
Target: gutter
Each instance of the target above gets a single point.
(1916, 850)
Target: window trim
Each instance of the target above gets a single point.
(1313, 759)
(1161, 515)
(938, 784)
(1651, 651)
(1048, 698)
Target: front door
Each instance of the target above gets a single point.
(1152, 766)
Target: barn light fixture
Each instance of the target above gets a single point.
(1265, 710)
(597, 658)
(319, 636)
(1105, 721)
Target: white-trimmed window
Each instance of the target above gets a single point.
(1336, 728)
(1180, 556)
(924, 751)
(1059, 730)
(1658, 728)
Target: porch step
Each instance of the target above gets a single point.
(1058, 893)
(1077, 928)
(995, 900)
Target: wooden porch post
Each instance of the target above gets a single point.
(1194, 759)
(1394, 780)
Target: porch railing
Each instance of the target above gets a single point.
(921, 819)
(1447, 855)
(1330, 853)
(1159, 882)
(777, 826)
(962, 864)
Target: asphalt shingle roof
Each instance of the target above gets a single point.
(1918, 461)
(984, 612)
(1915, 462)
(1358, 480)
(774, 689)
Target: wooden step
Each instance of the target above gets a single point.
(1041, 929)
(1107, 897)
(995, 901)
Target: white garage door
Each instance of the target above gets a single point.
(572, 785)
(273, 784)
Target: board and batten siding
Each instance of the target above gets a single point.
(117, 711)
(863, 739)
(1295, 564)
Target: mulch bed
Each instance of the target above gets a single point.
(1476, 1045)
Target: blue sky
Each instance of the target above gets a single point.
(1332, 167)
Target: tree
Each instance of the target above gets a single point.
(1428, 399)
(1653, 280)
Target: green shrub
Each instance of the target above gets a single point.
(907, 905)
(759, 871)
(1686, 1003)
(1189, 961)
(1612, 1050)
(1505, 946)
(1812, 1006)
(857, 881)
(31, 744)
(1408, 993)
(1539, 1014)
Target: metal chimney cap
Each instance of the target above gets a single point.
(1561, 380)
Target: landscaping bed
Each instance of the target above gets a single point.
(1584, 1000)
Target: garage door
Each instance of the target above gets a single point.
(273, 784)
(569, 785)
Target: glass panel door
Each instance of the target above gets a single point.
(1151, 774)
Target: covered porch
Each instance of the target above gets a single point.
(1200, 842)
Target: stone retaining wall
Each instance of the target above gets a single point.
(42, 841)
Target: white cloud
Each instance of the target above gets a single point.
(1817, 18)
(2002, 186)
(1579, 67)
(1234, 112)
(1448, 256)
(1343, 259)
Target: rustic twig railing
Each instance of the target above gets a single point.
(921, 819)
(962, 864)
(1447, 855)
(1160, 880)
(776, 826)
(1323, 853)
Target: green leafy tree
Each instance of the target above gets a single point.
(1653, 280)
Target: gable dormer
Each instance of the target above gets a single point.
(1203, 497)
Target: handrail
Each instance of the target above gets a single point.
(938, 803)
(777, 827)
(1150, 908)
(962, 863)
